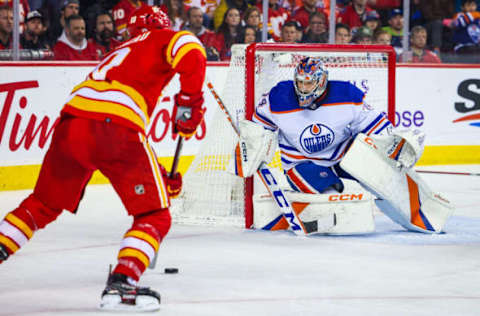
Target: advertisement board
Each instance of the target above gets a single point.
(442, 101)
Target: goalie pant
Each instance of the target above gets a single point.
(79, 147)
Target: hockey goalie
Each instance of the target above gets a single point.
(340, 157)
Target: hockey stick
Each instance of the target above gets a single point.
(176, 158)
(449, 172)
(267, 177)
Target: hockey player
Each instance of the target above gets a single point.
(102, 127)
(320, 123)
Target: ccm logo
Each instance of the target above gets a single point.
(345, 197)
(369, 141)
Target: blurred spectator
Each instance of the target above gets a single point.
(249, 35)
(208, 8)
(195, 25)
(382, 37)
(372, 20)
(121, 12)
(220, 11)
(343, 34)
(104, 35)
(302, 14)
(354, 14)
(176, 11)
(434, 11)
(230, 32)
(417, 52)
(72, 44)
(23, 7)
(317, 29)
(466, 36)
(34, 35)
(395, 29)
(252, 18)
(363, 35)
(289, 32)
(6, 27)
(277, 16)
(56, 29)
(383, 7)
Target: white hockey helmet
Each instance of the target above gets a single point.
(310, 72)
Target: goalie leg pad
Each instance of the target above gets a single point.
(407, 199)
(348, 213)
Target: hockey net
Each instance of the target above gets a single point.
(213, 196)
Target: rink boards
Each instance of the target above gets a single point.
(444, 101)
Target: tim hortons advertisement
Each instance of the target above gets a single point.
(31, 99)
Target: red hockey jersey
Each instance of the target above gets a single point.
(125, 86)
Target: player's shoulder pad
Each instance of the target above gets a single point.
(283, 98)
(340, 92)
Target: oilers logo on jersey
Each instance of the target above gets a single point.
(316, 137)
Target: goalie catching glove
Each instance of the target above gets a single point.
(174, 183)
(255, 146)
(187, 113)
(404, 147)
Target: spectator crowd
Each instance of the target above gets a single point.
(440, 30)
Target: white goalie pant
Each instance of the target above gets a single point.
(346, 213)
(403, 196)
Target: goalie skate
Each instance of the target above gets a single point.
(122, 295)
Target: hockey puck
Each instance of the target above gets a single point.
(171, 270)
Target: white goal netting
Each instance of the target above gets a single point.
(213, 196)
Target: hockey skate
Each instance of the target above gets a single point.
(3, 254)
(121, 294)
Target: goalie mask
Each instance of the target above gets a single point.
(147, 18)
(310, 81)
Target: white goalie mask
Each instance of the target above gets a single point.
(310, 81)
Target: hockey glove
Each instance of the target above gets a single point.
(187, 113)
(174, 184)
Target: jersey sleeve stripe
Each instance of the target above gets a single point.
(264, 120)
(383, 127)
(12, 246)
(185, 49)
(376, 126)
(178, 40)
(369, 126)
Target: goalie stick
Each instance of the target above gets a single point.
(267, 178)
(449, 172)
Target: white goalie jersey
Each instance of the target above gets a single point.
(321, 135)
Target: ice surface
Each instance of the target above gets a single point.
(225, 271)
